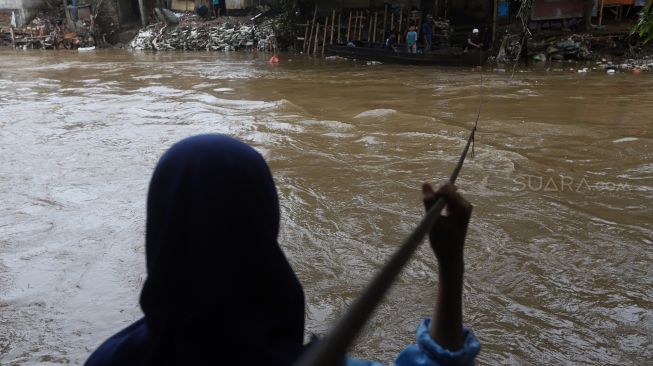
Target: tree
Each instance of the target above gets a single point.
(644, 26)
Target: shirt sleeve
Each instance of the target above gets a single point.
(429, 353)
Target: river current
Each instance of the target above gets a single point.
(560, 247)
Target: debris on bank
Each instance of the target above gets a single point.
(629, 65)
(48, 31)
(610, 52)
(193, 33)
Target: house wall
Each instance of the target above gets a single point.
(241, 4)
(25, 10)
(329, 5)
(559, 9)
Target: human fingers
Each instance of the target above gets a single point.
(456, 204)
(428, 194)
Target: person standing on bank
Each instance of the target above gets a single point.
(427, 33)
(411, 40)
(216, 8)
(474, 41)
(219, 289)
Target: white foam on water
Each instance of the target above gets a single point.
(368, 140)
(625, 139)
(376, 113)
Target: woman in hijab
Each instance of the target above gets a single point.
(219, 290)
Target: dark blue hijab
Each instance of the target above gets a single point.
(219, 290)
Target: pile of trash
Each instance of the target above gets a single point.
(575, 47)
(629, 65)
(48, 31)
(192, 33)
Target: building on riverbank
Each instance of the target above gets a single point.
(24, 10)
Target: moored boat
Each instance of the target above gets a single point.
(450, 56)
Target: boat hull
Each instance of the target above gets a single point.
(445, 57)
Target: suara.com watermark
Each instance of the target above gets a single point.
(564, 183)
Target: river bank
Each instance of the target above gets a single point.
(273, 31)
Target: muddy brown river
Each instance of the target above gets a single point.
(560, 248)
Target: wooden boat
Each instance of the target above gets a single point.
(451, 56)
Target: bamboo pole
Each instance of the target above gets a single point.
(601, 14)
(305, 35)
(494, 23)
(317, 39)
(333, 20)
(13, 38)
(385, 18)
(376, 19)
(310, 37)
(369, 29)
(360, 26)
(355, 27)
(339, 25)
(326, 22)
(401, 18)
(349, 28)
(69, 19)
(141, 9)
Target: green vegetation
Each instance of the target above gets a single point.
(644, 26)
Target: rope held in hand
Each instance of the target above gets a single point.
(331, 350)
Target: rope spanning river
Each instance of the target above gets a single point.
(560, 248)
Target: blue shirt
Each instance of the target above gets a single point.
(426, 352)
(411, 38)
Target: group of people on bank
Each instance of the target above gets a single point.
(216, 8)
(473, 41)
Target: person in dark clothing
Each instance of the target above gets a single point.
(427, 33)
(219, 290)
(391, 41)
(216, 276)
(474, 41)
(202, 10)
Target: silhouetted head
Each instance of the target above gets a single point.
(219, 288)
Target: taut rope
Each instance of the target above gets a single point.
(331, 349)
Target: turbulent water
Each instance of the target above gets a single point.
(560, 248)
